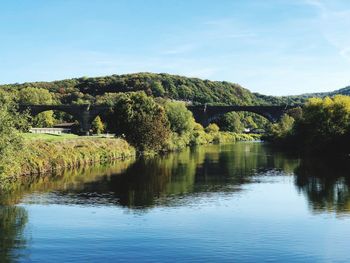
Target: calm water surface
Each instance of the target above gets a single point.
(218, 203)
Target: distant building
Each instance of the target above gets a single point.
(66, 125)
(56, 129)
(50, 130)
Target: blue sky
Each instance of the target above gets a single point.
(277, 47)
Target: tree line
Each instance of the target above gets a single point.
(190, 90)
(321, 126)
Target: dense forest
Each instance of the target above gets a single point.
(100, 90)
(322, 126)
(197, 91)
(107, 90)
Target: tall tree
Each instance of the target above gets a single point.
(31, 95)
(142, 121)
(97, 125)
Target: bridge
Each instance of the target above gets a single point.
(206, 114)
(84, 114)
(203, 114)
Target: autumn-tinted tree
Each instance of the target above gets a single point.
(97, 125)
(141, 120)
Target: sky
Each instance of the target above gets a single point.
(274, 47)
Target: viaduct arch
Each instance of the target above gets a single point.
(84, 114)
(203, 114)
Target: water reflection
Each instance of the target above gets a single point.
(12, 222)
(325, 183)
(159, 180)
(173, 180)
(162, 180)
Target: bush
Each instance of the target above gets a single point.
(10, 140)
(142, 121)
(180, 118)
(212, 128)
(323, 126)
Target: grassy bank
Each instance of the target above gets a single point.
(40, 155)
(200, 137)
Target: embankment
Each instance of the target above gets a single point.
(42, 156)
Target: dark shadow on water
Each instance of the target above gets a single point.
(170, 180)
(166, 180)
(325, 183)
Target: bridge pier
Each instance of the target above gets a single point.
(85, 122)
(203, 114)
(84, 114)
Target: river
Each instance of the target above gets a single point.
(241, 202)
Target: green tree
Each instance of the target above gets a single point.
(283, 128)
(142, 121)
(157, 89)
(10, 140)
(31, 95)
(97, 126)
(249, 122)
(231, 122)
(212, 128)
(180, 118)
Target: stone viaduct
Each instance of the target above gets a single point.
(203, 114)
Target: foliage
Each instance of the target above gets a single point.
(33, 96)
(97, 125)
(103, 90)
(10, 140)
(231, 122)
(283, 128)
(141, 120)
(180, 118)
(171, 86)
(212, 128)
(322, 127)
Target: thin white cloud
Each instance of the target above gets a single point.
(334, 24)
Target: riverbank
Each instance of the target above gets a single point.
(46, 154)
(200, 137)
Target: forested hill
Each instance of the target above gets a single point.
(198, 91)
(298, 99)
(343, 91)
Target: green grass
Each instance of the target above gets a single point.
(55, 137)
(48, 137)
(47, 153)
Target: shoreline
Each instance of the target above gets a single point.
(43, 156)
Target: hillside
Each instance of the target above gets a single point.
(343, 91)
(195, 90)
(198, 91)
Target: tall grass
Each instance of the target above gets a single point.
(41, 156)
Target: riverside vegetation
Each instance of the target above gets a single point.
(321, 127)
(142, 123)
(147, 117)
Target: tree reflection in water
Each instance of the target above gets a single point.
(170, 180)
(12, 222)
(163, 180)
(325, 183)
